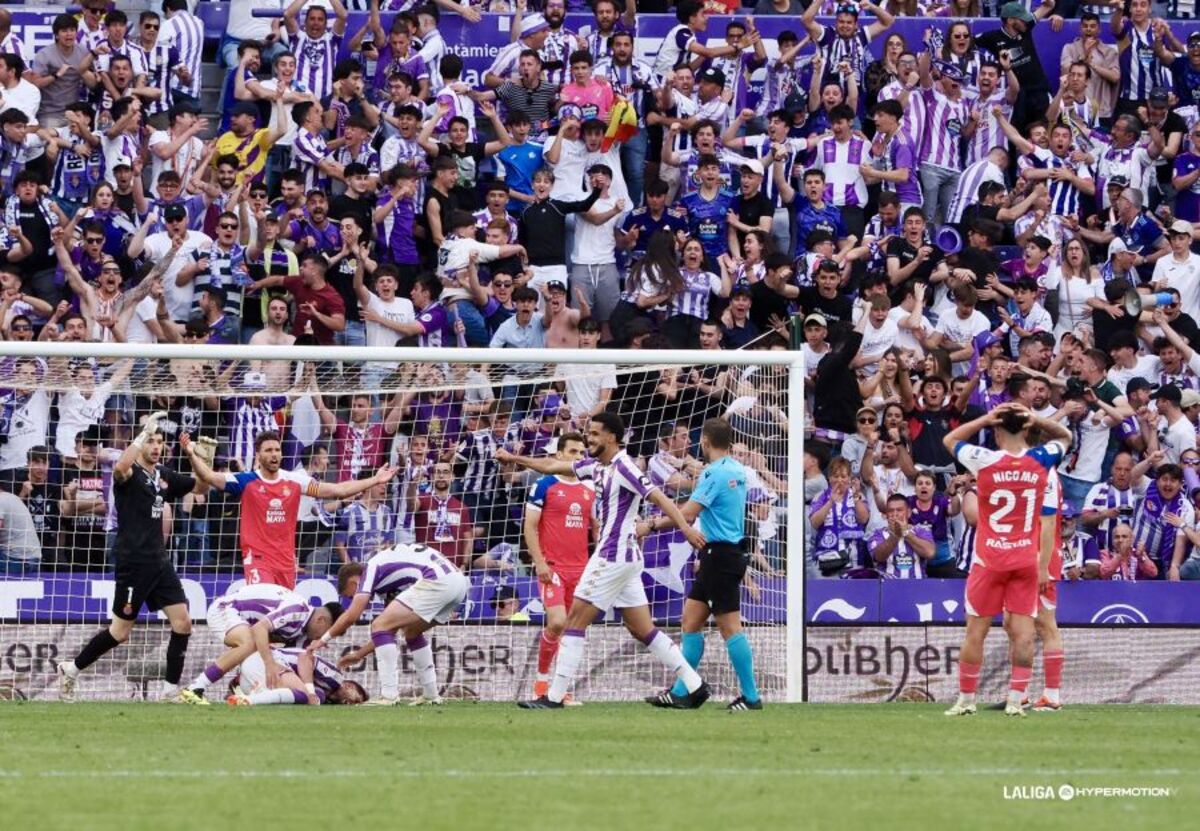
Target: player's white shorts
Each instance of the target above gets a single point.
(253, 674)
(434, 601)
(222, 617)
(608, 585)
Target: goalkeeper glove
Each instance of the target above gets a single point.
(149, 428)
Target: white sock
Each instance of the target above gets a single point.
(69, 668)
(1014, 697)
(169, 690)
(1051, 694)
(426, 672)
(668, 653)
(388, 656)
(283, 695)
(570, 653)
(966, 698)
(543, 676)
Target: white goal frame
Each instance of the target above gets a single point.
(795, 638)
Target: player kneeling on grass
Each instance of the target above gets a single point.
(427, 588)
(247, 619)
(304, 679)
(144, 574)
(613, 576)
(1018, 513)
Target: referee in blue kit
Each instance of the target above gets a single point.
(720, 501)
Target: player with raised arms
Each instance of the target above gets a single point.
(304, 679)
(144, 574)
(270, 503)
(426, 589)
(247, 619)
(1018, 511)
(613, 576)
(558, 519)
(719, 501)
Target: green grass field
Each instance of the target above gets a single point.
(492, 766)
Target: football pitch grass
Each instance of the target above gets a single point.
(621, 766)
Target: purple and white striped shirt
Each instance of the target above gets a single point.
(315, 60)
(247, 421)
(944, 120)
(759, 146)
(395, 569)
(158, 61)
(988, 134)
(1140, 71)
(782, 80)
(308, 151)
(1064, 196)
(698, 287)
(185, 32)
(326, 676)
(967, 192)
(620, 489)
(844, 182)
(285, 611)
(363, 530)
(900, 154)
(913, 122)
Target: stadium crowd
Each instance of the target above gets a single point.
(949, 221)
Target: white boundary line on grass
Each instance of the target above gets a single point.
(585, 773)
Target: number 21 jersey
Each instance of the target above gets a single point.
(1014, 493)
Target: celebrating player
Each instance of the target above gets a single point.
(427, 588)
(271, 503)
(304, 679)
(141, 489)
(558, 518)
(247, 619)
(1018, 507)
(719, 500)
(613, 576)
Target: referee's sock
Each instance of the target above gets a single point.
(691, 644)
(101, 642)
(742, 660)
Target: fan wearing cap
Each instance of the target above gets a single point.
(1015, 39)
(1181, 270)
(158, 248)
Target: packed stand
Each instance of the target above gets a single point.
(925, 216)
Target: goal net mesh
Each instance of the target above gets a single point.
(67, 420)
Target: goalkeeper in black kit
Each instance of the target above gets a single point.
(141, 489)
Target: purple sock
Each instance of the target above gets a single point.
(382, 638)
(573, 633)
(416, 643)
(299, 696)
(213, 673)
(650, 636)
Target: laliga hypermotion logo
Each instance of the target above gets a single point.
(1120, 613)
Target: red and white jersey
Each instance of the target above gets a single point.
(269, 511)
(1014, 493)
(564, 521)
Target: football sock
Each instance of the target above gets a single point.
(691, 644)
(176, 652)
(742, 659)
(211, 675)
(968, 679)
(668, 654)
(1052, 665)
(570, 653)
(387, 654)
(101, 642)
(422, 655)
(283, 695)
(1018, 683)
(547, 649)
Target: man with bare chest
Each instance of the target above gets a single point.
(562, 322)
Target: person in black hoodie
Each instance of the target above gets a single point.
(836, 402)
(542, 228)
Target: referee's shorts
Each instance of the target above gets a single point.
(718, 583)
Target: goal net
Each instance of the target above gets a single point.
(438, 416)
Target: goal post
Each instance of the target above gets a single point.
(423, 408)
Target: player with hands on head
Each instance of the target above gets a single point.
(1016, 533)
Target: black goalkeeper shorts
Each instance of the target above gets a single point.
(719, 580)
(154, 584)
